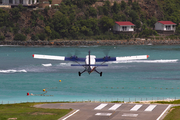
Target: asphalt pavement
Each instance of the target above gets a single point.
(110, 111)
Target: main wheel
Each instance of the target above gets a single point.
(100, 73)
(79, 73)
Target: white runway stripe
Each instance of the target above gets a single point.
(71, 115)
(101, 106)
(150, 108)
(129, 115)
(103, 114)
(114, 107)
(136, 107)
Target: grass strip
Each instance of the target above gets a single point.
(168, 102)
(173, 114)
(26, 111)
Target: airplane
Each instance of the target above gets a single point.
(90, 60)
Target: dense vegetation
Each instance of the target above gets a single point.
(80, 19)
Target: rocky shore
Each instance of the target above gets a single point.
(91, 42)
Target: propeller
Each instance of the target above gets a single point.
(106, 52)
(74, 57)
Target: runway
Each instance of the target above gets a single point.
(110, 111)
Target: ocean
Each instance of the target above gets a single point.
(157, 77)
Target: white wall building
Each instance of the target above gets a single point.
(17, 2)
(165, 27)
(123, 27)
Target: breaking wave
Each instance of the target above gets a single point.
(47, 65)
(65, 64)
(146, 61)
(12, 71)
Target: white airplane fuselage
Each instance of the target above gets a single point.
(90, 60)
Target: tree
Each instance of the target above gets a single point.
(61, 24)
(116, 7)
(55, 35)
(20, 37)
(2, 38)
(42, 36)
(106, 8)
(153, 21)
(74, 31)
(90, 2)
(148, 32)
(106, 23)
(4, 18)
(137, 24)
(178, 30)
(34, 37)
(133, 15)
(123, 5)
(129, 2)
(15, 15)
(48, 30)
(92, 12)
(136, 7)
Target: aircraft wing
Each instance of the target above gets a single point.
(50, 57)
(132, 57)
(108, 58)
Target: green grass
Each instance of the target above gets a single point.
(117, 101)
(26, 111)
(173, 114)
(166, 102)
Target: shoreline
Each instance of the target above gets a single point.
(91, 42)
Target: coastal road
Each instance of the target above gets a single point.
(110, 111)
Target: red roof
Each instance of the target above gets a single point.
(167, 22)
(124, 23)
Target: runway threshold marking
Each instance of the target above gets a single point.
(136, 107)
(71, 114)
(129, 115)
(103, 114)
(163, 112)
(101, 106)
(114, 107)
(150, 108)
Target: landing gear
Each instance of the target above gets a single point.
(100, 73)
(79, 73)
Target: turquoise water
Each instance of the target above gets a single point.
(155, 78)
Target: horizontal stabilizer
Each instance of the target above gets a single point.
(88, 65)
(50, 57)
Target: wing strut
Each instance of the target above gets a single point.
(100, 73)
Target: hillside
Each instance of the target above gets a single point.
(86, 19)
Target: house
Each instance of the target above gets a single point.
(165, 27)
(28, 3)
(17, 2)
(123, 27)
(44, 3)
